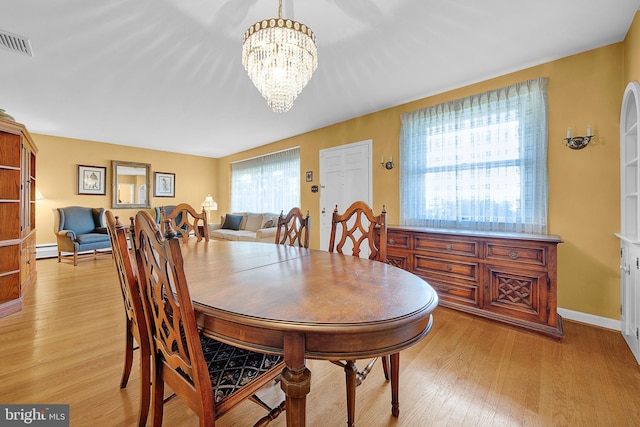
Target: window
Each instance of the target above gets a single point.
(477, 163)
(268, 183)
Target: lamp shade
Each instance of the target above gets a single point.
(209, 204)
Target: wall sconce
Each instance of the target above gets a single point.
(387, 165)
(578, 142)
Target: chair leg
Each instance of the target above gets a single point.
(157, 397)
(128, 355)
(59, 256)
(385, 367)
(145, 388)
(351, 373)
(75, 258)
(395, 380)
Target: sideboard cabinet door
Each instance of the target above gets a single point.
(517, 293)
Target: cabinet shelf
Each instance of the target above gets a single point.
(630, 218)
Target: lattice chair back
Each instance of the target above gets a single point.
(171, 320)
(209, 376)
(354, 231)
(293, 229)
(186, 221)
(136, 326)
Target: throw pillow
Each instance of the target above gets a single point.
(267, 221)
(232, 222)
(254, 222)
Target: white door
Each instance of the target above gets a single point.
(345, 177)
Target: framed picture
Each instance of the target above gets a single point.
(164, 184)
(91, 180)
(309, 176)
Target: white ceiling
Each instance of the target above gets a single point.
(167, 74)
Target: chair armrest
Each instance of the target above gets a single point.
(67, 233)
(266, 232)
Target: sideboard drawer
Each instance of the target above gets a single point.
(465, 271)
(515, 253)
(455, 293)
(398, 240)
(450, 246)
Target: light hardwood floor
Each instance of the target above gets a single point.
(66, 346)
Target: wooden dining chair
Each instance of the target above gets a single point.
(136, 326)
(209, 376)
(354, 231)
(293, 229)
(185, 220)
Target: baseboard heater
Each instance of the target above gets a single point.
(46, 251)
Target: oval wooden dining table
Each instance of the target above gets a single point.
(305, 303)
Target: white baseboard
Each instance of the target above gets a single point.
(47, 251)
(51, 251)
(590, 319)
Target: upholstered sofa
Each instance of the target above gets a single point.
(246, 226)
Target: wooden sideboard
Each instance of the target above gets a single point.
(508, 277)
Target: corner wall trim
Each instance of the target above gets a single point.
(590, 319)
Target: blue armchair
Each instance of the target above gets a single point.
(79, 229)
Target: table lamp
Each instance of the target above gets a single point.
(209, 205)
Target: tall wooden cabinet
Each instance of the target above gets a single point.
(508, 277)
(17, 215)
(630, 218)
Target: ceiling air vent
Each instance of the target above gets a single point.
(15, 43)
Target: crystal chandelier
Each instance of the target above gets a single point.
(280, 55)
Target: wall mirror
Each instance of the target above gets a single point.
(131, 183)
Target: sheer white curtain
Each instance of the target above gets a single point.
(478, 163)
(268, 183)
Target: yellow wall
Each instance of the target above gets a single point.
(584, 89)
(632, 52)
(56, 171)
